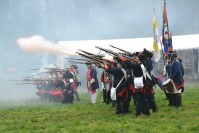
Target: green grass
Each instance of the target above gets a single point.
(85, 117)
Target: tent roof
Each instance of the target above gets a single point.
(131, 45)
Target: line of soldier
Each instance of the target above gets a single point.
(62, 88)
(124, 75)
(121, 74)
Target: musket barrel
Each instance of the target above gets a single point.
(86, 52)
(120, 49)
(92, 58)
(107, 51)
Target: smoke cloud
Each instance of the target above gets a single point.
(37, 44)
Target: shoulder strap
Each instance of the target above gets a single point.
(112, 79)
(119, 82)
(125, 76)
(145, 72)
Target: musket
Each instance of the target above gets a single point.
(33, 80)
(54, 71)
(77, 62)
(92, 55)
(22, 80)
(112, 53)
(107, 51)
(26, 77)
(98, 58)
(93, 62)
(87, 56)
(77, 59)
(34, 69)
(38, 74)
(53, 68)
(74, 63)
(23, 83)
(120, 49)
(88, 53)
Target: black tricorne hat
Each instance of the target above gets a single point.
(88, 63)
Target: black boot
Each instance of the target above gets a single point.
(104, 96)
(113, 103)
(138, 108)
(152, 103)
(171, 99)
(175, 100)
(118, 109)
(178, 100)
(77, 95)
(167, 95)
(125, 107)
(145, 107)
(108, 97)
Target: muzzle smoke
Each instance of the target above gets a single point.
(37, 44)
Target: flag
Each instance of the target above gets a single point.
(166, 35)
(156, 37)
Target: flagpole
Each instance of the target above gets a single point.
(161, 46)
(163, 36)
(162, 52)
(154, 12)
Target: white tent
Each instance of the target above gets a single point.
(136, 44)
(131, 45)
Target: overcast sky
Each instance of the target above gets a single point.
(67, 20)
(64, 20)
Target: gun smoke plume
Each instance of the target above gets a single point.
(37, 44)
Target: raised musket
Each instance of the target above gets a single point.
(77, 59)
(34, 69)
(77, 62)
(91, 58)
(88, 53)
(107, 51)
(120, 49)
(23, 83)
(53, 68)
(22, 80)
(96, 56)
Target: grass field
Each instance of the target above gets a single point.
(82, 116)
